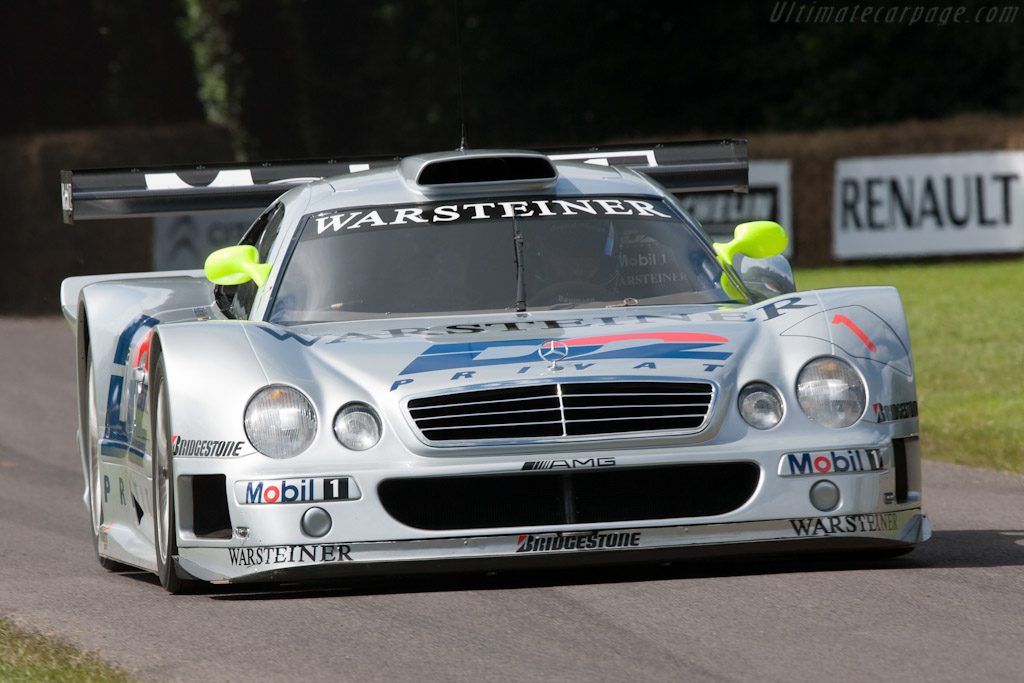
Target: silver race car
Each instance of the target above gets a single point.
(477, 359)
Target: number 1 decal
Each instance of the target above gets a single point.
(336, 489)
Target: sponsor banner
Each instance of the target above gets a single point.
(724, 314)
(296, 490)
(289, 554)
(768, 198)
(202, 448)
(597, 540)
(580, 350)
(573, 464)
(845, 524)
(333, 222)
(894, 412)
(831, 462)
(184, 242)
(929, 204)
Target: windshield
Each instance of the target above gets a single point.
(460, 257)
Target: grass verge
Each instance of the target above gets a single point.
(28, 657)
(967, 332)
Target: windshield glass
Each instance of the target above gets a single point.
(458, 257)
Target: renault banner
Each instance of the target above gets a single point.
(924, 205)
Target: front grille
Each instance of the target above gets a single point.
(567, 409)
(571, 497)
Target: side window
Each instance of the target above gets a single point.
(262, 235)
(246, 293)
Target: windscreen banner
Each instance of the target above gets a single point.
(928, 205)
(768, 199)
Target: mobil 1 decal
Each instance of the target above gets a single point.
(297, 490)
(851, 460)
(411, 215)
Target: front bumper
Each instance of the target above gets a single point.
(247, 563)
(880, 508)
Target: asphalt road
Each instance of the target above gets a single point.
(951, 610)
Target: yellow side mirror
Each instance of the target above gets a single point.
(235, 265)
(757, 239)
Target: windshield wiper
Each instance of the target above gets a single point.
(517, 241)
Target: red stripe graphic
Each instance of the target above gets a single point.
(660, 336)
(144, 350)
(841, 319)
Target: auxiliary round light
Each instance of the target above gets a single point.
(357, 426)
(316, 522)
(760, 405)
(280, 421)
(831, 392)
(825, 495)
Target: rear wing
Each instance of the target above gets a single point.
(159, 191)
(706, 166)
(701, 166)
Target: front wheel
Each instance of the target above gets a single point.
(164, 534)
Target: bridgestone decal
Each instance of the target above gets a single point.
(534, 543)
(196, 448)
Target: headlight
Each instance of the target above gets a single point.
(760, 405)
(280, 422)
(831, 392)
(357, 426)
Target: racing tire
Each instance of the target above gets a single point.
(94, 488)
(165, 539)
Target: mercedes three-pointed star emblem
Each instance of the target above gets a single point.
(553, 351)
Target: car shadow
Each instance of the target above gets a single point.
(945, 550)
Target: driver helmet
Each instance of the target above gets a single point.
(578, 251)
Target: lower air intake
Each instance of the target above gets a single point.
(210, 517)
(576, 497)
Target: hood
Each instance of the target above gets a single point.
(387, 362)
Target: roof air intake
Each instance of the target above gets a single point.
(486, 169)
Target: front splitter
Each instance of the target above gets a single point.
(243, 562)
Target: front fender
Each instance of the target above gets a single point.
(868, 326)
(211, 373)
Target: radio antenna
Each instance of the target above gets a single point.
(462, 102)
